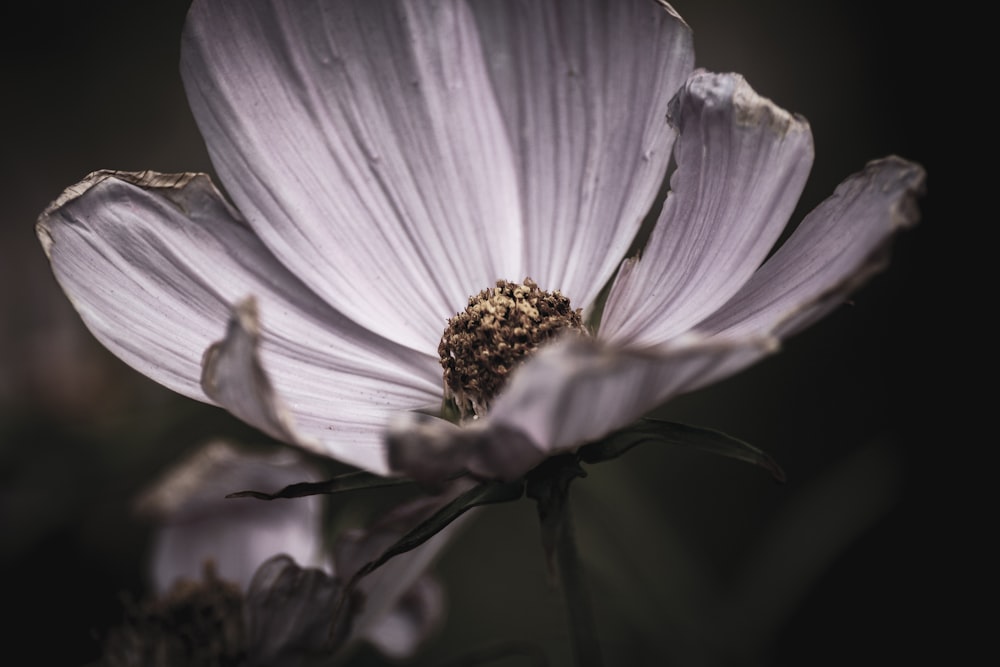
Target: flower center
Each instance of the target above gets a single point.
(489, 339)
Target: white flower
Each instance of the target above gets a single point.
(389, 159)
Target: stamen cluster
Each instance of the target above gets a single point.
(492, 336)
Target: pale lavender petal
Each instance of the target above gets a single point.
(741, 165)
(363, 143)
(835, 249)
(581, 389)
(196, 523)
(153, 264)
(583, 88)
(290, 396)
(574, 391)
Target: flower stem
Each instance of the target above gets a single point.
(580, 613)
(549, 484)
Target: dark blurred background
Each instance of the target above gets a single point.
(694, 559)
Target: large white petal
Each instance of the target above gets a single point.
(580, 389)
(583, 88)
(153, 263)
(835, 249)
(362, 142)
(574, 391)
(741, 165)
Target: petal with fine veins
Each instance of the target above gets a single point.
(835, 249)
(583, 89)
(153, 263)
(581, 389)
(741, 166)
(363, 144)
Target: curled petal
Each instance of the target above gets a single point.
(741, 165)
(233, 377)
(153, 263)
(571, 392)
(429, 449)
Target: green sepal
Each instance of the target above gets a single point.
(548, 485)
(673, 433)
(351, 481)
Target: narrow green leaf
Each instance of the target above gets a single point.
(486, 493)
(351, 481)
(673, 433)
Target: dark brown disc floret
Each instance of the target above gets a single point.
(501, 326)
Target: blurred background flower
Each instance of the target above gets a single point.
(695, 558)
(244, 582)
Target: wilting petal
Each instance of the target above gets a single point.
(197, 523)
(363, 143)
(233, 377)
(429, 449)
(583, 89)
(153, 264)
(741, 165)
(571, 392)
(835, 249)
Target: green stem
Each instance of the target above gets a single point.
(580, 613)
(549, 484)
